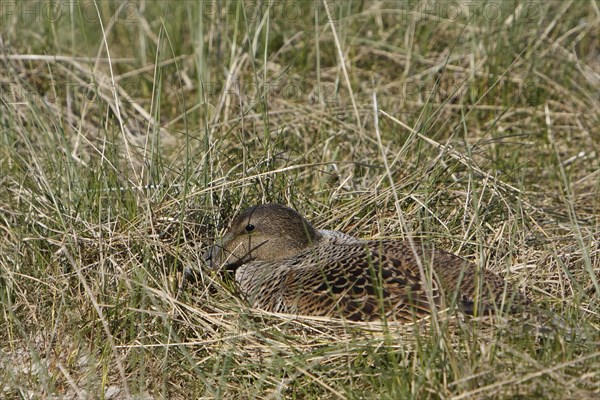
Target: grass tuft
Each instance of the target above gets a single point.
(131, 133)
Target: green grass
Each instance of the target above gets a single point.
(486, 143)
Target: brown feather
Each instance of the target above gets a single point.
(282, 264)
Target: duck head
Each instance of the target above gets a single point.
(267, 232)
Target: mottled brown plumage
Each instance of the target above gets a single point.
(283, 264)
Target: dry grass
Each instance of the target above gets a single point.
(127, 145)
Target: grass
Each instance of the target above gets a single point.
(131, 136)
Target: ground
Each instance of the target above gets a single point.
(132, 132)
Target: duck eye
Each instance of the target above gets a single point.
(249, 228)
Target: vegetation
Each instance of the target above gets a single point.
(132, 132)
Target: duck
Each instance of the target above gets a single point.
(282, 264)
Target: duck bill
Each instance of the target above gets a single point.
(214, 256)
(211, 255)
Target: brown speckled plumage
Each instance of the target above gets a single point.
(282, 264)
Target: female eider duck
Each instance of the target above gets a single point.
(283, 264)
